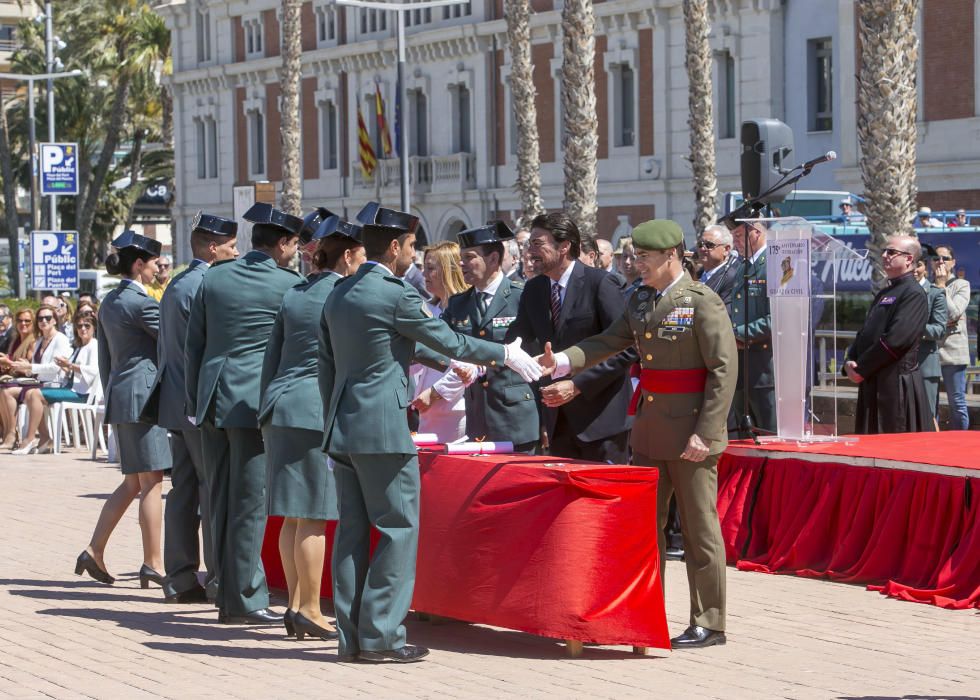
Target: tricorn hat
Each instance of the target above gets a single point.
(493, 232)
(131, 239)
(374, 213)
(333, 225)
(218, 225)
(311, 222)
(262, 213)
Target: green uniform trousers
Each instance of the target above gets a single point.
(235, 461)
(696, 487)
(372, 594)
(188, 510)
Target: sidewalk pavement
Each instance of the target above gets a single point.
(63, 636)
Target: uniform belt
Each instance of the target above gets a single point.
(668, 381)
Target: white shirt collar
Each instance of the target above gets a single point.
(565, 276)
(757, 253)
(136, 284)
(381, 265)
(924, 282)
(494, 284)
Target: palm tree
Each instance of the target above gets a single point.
(700, 120)
(580, 124)
(518, 14)
(886, 117)
(292, 49)
(9, 199)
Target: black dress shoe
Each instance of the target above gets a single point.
(86, 563)
(256, 617)
(193, 595)
(147, 574)
(405, 655)
(674, 554)
(695, 637)
(287, 622)
(305, 626)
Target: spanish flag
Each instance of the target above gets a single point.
(383, 135)
(364, 151)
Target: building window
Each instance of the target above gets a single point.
(202, 149)
(256, 143)
(212, 139)
(328, 136)
(253, 37)
(203, 34)
(725, 86)
(418, 137)
(462, 128)
(373, 21)
(417, 17)
(624, 121)
(820, 84)
(326, 23)
(206, 133)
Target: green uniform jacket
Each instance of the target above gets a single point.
(290, 393)
(756, 333)
(370, 325)
(129, 320)
(687, 329)
(229, 327)
(501, 406)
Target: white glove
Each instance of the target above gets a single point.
(468, 372)
(521, 362)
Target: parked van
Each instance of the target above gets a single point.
(97, 282)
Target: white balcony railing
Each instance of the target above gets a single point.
(425, 173)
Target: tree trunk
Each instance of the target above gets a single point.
(136, 158)
(580, 126)
(700, 120)
(523, 94)
(88, 201)
(292, 48)
(886, 118)
(9, 201)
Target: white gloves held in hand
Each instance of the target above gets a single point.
(521, 362)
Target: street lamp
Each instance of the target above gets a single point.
(399, 8)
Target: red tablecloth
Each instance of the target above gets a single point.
(560, 549)
(913, 535)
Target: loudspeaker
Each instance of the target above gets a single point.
(767, 155)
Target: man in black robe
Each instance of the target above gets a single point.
(883, 361)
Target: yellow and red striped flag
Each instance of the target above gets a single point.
(379, 108)
(364, 151)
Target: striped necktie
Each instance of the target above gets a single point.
(555, 304)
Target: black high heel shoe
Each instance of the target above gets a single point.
(147, 574)
(86, 563)
(287, 622)
(305, 627)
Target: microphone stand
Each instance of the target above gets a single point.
(753, 207)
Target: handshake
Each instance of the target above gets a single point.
(530, 368)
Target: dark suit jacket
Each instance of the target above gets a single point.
(724, 280)
(593, 301)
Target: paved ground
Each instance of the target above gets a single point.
(62, 636)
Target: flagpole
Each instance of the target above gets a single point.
(400, 125)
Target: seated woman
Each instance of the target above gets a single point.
(20, 348)
(79, 373)
(50, 343)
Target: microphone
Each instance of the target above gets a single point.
(828, 156)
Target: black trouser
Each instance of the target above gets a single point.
(613, 449)
(188, 509)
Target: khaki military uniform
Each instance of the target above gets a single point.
(687, 349)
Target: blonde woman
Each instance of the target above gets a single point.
(20, 348)
(439, 396)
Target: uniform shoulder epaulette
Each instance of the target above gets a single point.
(698, 287)
(517, 283)
(397, 280)
(291, 271)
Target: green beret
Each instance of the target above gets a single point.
(658, 234)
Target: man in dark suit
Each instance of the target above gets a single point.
(230, 324)
(586, 416)
(213, 239)
(719, 262)
(499, 405)
(7, 332)
(933, 333)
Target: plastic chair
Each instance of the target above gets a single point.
(90, 412)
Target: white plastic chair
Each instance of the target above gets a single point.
(91, 413)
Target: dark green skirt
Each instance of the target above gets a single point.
(299, 484)
(142, 447)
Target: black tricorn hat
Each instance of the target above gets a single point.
(380, 232)
(311, 222)
(262, 213)
(333, 225)
(493, 232)
(218, 225)
(374, 213)
(131, 239)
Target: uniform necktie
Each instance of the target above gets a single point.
(555, 304)
(483, 303)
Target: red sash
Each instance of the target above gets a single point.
(668, 381)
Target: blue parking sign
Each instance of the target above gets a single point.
(59, 169)
(54, 260)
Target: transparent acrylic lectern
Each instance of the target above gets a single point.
(803, 265)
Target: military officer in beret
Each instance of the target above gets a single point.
(499, 404)
(752, 324)
(371, 324)
(687, 353)
(229, 327)
(213, 239)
